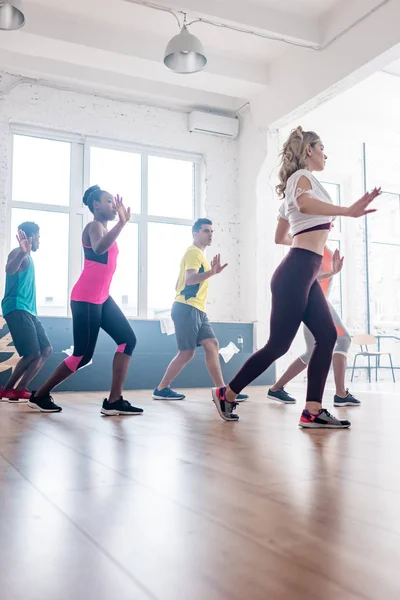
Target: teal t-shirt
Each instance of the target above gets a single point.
(20, 291)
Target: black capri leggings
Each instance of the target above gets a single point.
(296, 297)
(87, 320)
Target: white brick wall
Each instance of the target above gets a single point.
(42, 106)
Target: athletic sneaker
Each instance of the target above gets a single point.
(167, 394)
(281, 396)
(20, 395)
(120, 407)
(224, 407)
(349, 400)
(4, 393)
(323, 420)
(15, 395)
(43, 403)
(241, 397)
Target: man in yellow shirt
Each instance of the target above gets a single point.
(192, 327)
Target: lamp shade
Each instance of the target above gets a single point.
(185, 53)
(11, 17)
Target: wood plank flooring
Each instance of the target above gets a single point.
(179, 505)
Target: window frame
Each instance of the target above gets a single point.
(336, 236)
(79, 216)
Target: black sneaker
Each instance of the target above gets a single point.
(43, 403)
(349, 400)
(120, 407)
(224, 407)
(281, 396)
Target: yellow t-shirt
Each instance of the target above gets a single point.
(194, 295)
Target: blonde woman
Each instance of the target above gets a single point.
(296, 294)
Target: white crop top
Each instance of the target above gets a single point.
(289, 208)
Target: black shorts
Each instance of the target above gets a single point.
(191, 326)
(27, 332)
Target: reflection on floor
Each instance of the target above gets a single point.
(179, 505)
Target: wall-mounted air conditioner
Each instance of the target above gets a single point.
(202, 122)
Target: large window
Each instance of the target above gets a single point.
(334, 242)
(49, 176)
(384, 262)
(383, 241)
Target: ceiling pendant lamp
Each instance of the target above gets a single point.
(11, 17)
(185, 53)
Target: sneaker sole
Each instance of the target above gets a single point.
(339, 404)
(319, 426)
(43, 410)
(162, 398)
(279, 400)
(218, 405)
(17, 400)
(116, 413)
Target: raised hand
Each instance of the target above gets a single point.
(360, 208)
(337, 262)
(124, 214)
(23, 242)
(216, 267)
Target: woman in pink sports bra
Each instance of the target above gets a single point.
(94, 309)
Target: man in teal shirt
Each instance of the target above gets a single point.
(19, 311)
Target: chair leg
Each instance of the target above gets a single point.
(369, 369)
(376, 367)
(391, 366)
(354, 366)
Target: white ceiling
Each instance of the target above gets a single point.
(318, 7)
(117, 47)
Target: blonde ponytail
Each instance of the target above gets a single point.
(294, 155)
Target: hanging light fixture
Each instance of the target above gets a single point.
(11, 17)
(185, 52)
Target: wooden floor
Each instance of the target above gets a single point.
(179, 505)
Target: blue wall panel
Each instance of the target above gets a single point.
(152, 354)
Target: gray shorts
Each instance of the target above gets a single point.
(191, 326)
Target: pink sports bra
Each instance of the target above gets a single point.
(94, 282)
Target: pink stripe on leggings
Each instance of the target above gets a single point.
(72, 362)
(121, 348)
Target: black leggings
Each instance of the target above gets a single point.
(87, 320)
(296, 297)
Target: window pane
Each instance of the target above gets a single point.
(384, 277)
(124, 287)
(167, 245)
(333, 190)
(118, 173)
(51, 259)
(171, 189)
(335, 295)
(382, 167)
(41, 171)
(384, 225)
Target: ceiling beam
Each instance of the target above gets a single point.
(239, 80)
(114, 85)
(302, 28)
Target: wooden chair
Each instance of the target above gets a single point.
(364, 341)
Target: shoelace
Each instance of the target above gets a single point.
(328, 414)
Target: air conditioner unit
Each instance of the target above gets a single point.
(202, 122)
